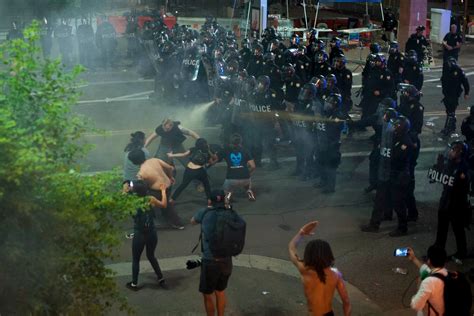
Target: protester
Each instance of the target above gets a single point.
(320, 279)
(144, 232)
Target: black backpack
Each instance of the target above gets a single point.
(228, 234)
(199, 157)
(457, 294)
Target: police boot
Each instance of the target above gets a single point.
(449, 125)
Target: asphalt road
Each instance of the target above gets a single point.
(117, 103)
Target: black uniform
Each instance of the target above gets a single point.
(452, 40)
(414, 111)
(303, 67)
(344, 84)
(412, 73)
(63, 34)
(381, 80)
(418, 44)
(106, 42)
(85, 40)
(396, 62)
(328, 138)
(255, 66)
(395, 151)
(321, 68)
(453, 206)
(453, 80)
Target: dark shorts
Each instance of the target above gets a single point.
(215, 275)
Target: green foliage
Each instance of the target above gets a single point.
(58, 226)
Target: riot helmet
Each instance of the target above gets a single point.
(268, 58)
(295, 39)
(332, 103)
(457, 150)
(335, 42)
(320, 44)
(287, 72)
(321, 57)
(258, 49)
(331, 81)
(390, 114)
(371, 60)
(319, 81)
(380, 60)
(308, 93)
(401, 125)
(374, 48)
(340, 61)
(409, 93)
(232, 67)
(393, 47)
(263, 83)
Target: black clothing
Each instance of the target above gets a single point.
(452, 206)
(190, 175)
(106, 42)
(321, 69)
(255, 66)
(236, 159)
(171, 138)
(418, 44)
(452, 40)
(413, 74)
(292, 89)
(381, 80)
(303, 67)
(394, 63)
(344, 84)
(467, 128)
(63, 34)
(144, 236)
(214, 275)
(335, 52)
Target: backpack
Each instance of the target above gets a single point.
(457, 294)
(228, 234)
(199, 157)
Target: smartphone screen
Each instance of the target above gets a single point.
(400, 252)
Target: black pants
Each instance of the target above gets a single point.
(140, 240)
(445, 217)
(411, 201)
(391, 195)
(190, 175)
(374, 159)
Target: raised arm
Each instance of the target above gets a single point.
(179, 155)
(188, 132)
(292, 246)
(150, 138)
(168, 169)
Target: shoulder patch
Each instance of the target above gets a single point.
(388, 77)
(403, 147)
(462, 176)
(348, 76)
(455, 73)
(297, 85)
(421, 108)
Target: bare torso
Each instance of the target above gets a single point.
(152, 172)
(319, 295)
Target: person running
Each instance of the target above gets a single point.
(320, 279)
(199, 157)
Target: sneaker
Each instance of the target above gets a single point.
(132, 286)
(369, 228)
(177, 226)
(162, 283)
(251, 195)
(398, 233)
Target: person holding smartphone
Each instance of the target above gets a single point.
(320, 279)
(144, 231)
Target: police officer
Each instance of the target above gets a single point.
(336, 50)
(292, 86)
(271, 70)
(294, 41)
(245, 53)
(411, 107)
(453, 80)
(328, 135)
(131, 32)
(344, 81)
(46, 32)
(412, 70)
(14, 32)
(63, 34)
(395, 62)
(303, 64)
(106, 42)
(256, 62)
(418, 42)
(467, 126)
(85, 41)
(301, 136)
(395, 150)
(454, 204)
(321, 64)
(263, 107)
(386, 113)
(379, 85)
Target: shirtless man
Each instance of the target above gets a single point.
(155, 172)
(320, 280)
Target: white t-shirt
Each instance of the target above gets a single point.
(431, 290)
